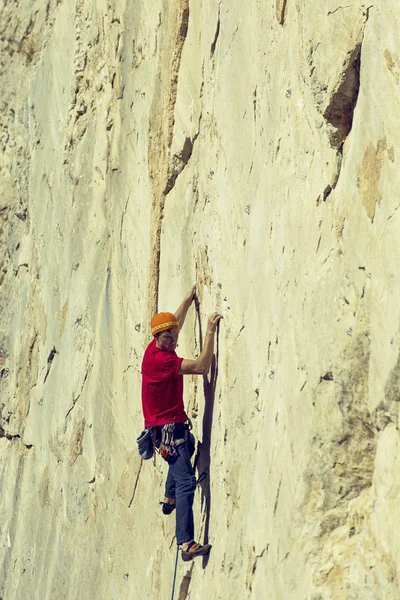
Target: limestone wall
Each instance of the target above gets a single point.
(251, 148)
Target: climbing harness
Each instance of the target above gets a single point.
(176, 563)
(164, 441)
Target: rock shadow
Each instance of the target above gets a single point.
(203, 456)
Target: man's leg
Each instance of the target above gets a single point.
(168, 504)
(185, 484)
(169, 486)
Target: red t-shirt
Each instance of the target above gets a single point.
(162, 387)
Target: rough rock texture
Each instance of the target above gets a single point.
(251, 148)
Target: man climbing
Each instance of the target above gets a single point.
(163, 410)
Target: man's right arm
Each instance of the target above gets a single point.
(201, 364)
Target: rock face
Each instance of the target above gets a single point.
(251, 148)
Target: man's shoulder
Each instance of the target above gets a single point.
(150, 348)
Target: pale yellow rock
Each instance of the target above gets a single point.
(250, 148)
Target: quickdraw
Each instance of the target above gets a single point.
(166, 448)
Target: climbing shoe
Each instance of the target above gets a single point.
(194, 550)
(167, 508)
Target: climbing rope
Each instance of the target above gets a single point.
(176, 563)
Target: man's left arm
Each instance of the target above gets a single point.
(181, 312)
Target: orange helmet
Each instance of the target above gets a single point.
(162, 322)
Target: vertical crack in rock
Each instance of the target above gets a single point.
(50, 359)
(217, 30)
(135, 486)
(76, 398)
(179, 162)
(162, 173)
(253, 563)
(277, 496)
(280, 11)
(31, 351)
(339, 112)
(123, 217)
(340, 109)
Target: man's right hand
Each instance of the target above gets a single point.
(213, 321)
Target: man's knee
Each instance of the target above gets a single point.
(186, 485)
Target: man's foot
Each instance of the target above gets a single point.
(168, 505)
(191, 550)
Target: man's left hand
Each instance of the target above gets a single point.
(191, 295)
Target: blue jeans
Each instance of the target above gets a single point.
(181, 485)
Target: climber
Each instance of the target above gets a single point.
(163, 410)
